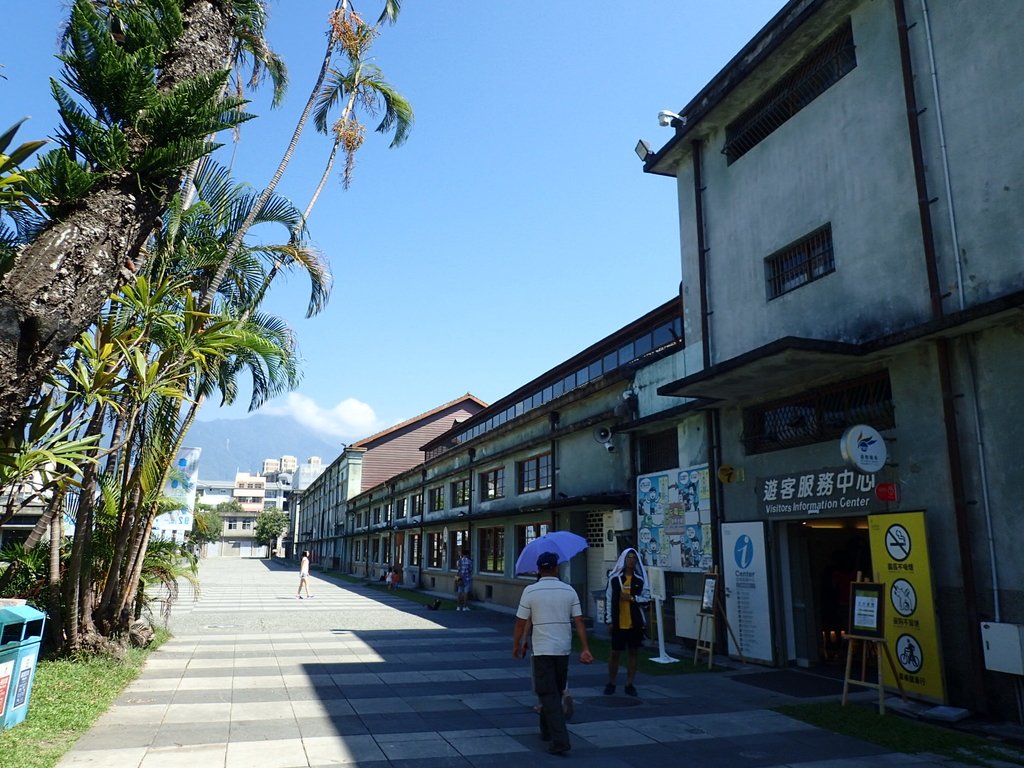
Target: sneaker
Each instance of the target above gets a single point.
(631, 690)
(465, 607)
(609, 689)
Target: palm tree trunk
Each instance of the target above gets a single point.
(323, 180)
(55, 609)
(236, 243)
(78, 564)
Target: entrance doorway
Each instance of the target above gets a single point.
(825, 557)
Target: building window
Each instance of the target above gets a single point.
(460, 492)
(414, 549)
(801, 85)
(247, 525)
(457, 541)
(527, 533)
(800, 263)
(435, 497)
(232, 523)
(400, 508)
(492, 550)
(819, 415)
(376, 515)
(656, 451)
(492, 484)
(535, 473)
(389, 513)
(417, 504)
(359, 551)
(436, 552)
(374, 550)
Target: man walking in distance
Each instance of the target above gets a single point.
(465, 581)
(552, 607)
(625, 599)
(303, 574)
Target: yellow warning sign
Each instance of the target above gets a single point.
(899, 556)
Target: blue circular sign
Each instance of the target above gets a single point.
(744, 551)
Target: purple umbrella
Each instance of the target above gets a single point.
(562, 543)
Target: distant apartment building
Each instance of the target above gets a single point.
(269, 490)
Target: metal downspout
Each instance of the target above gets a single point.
(971, 369)
(712, 428)
(957, 483)
(702, 268)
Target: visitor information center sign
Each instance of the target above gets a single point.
(828, 491)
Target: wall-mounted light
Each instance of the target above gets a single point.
(643, 150)
(667, 117)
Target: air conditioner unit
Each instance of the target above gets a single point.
(622, 519)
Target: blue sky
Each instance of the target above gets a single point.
(513, 229)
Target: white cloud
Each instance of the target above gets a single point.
(350, 419)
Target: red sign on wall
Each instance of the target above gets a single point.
(889, 492)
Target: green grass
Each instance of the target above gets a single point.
(899, 734)
(67, 697)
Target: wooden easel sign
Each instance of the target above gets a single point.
(866, 607)
(709, 593)
(867, 629)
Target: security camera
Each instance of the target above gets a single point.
(610, 447)
(665, 118)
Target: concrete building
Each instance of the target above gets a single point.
(851, 230)
(321, 507)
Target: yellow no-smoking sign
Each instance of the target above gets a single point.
(899, 556)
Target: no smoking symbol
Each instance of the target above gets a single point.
(897, 542)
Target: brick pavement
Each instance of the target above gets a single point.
(255, 678)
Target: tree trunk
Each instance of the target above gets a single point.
(56, 623)
(58, 284)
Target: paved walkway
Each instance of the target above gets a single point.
(255, 678)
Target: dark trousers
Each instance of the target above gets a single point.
(549, 677)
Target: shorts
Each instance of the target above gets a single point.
(466, 587)
(631, 638)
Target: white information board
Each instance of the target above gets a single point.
(747, 604)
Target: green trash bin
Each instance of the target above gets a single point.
(21, 632)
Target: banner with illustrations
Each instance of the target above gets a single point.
(181, 487)
(674, 519)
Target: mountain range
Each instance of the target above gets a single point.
(240, 445)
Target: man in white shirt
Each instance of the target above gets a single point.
(552, 607)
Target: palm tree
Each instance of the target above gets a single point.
(362, 83)
(389, 13)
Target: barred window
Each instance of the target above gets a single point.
(801, 85)
(414, 549)
(819, 415)
(799, 263)
(659, 450)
